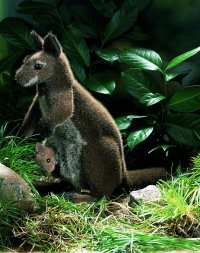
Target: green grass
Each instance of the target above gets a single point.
(18, 153)
(10, 216)
(104, 226)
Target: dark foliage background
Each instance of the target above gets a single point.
(100, 38)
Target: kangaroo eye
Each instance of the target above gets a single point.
(38, 66)
(48, 160)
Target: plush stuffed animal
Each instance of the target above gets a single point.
(59, 97)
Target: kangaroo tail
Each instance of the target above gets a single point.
(141, 178)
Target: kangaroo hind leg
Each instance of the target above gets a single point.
(104, 166)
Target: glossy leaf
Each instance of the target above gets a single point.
(108, 54)
(186, 99)
(4, 79)
(135, 82)
(152, 98)
(105, 7)
(138, 136)
(137, 34)
(17, 32)
(76, 47)
(32, 8)
(78, 70)
(82, 14)
(46, 19)
(101, 83)
(53, 2)
(64, 13)
(171, 75)
(142, 4)
(125, 122)
(83, 30)
(183, 128)
(177, 60)
(140, 85)
(164, 147)
(141, 58)
(8, 61)
(120, 22)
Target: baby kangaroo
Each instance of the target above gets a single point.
(59, 97)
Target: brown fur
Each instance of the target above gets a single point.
(48, 158)
(135, 179)
(60, 97)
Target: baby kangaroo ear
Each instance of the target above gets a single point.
(39, 147)
(52, 45)
(38, 40)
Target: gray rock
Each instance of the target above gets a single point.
(14, 188)
(151, 193)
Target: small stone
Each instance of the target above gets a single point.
(151, 193)
(14, 187)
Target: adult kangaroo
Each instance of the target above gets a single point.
(59, 98)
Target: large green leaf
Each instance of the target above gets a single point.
(108, 54)
(64, 13)
(169, 76)
(46, 19)
(78, 70)
(3, 47)
(17, 32)
(76, 47)
(4, 80)
(121, 21)
(83, 30)
(186, 99)
(183, 128)
(125, 122)
(53, 2)
(31, 8)
(83, 14)
(177, 60)
(10, 59)
(136, 34)
(142, 4)
(101, 83)
(138, 136)
(164, 147)
(135, 82)
(105, 7)
(141, 58)
(151, 98)
(140, 85)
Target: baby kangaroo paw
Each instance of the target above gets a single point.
(78, 198)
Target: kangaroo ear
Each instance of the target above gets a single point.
(52, 45)
(38, 40)
(39, 147)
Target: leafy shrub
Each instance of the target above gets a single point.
(104, 48)
(173, 116)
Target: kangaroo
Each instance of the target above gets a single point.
(59, 97)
